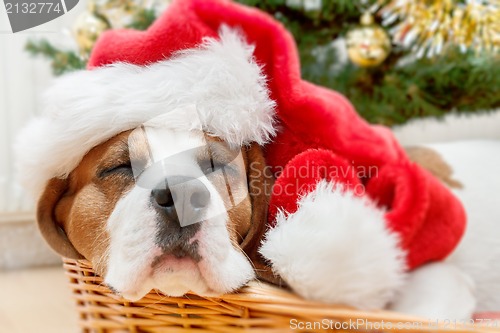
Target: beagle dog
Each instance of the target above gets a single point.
(134, 233)
(179, 203)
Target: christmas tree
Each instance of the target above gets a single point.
(394, 60)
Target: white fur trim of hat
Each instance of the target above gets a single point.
(85, 108)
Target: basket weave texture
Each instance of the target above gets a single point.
(259, 307)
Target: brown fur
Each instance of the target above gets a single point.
(88, 200)
(260, 182)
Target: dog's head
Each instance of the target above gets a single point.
(192, 223)
(155, 173)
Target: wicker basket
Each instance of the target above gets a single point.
(256, 308)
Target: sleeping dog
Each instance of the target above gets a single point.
(163, 188)
(134, 233)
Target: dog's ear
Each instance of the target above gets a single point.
(51, 230)
(260, 182)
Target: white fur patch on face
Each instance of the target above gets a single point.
(173, 155)
(132, 230)
(336, 248)
(223, 267)
(138, 264)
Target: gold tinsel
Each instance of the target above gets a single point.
(426, 26)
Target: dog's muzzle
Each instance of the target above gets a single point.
(181, 203)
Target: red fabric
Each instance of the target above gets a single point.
(428, 217)
(301, 175)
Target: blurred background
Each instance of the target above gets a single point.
(33, 295)
(398, 61)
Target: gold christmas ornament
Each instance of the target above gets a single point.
(87, 28)
(368, 44)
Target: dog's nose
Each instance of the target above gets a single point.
(181, 199)
(163, 198)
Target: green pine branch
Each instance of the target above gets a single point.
(61, 61)
(390, 93)
(393, 94)
(143, 19)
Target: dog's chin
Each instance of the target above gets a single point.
(176, 277)
(172, 277)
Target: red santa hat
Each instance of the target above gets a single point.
(317, 128)
(426, 215)
(85, 108)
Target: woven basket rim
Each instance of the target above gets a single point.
(258, 302)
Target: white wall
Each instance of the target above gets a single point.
(22, 79)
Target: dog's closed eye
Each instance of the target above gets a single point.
(122, 169)
(209, 166)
